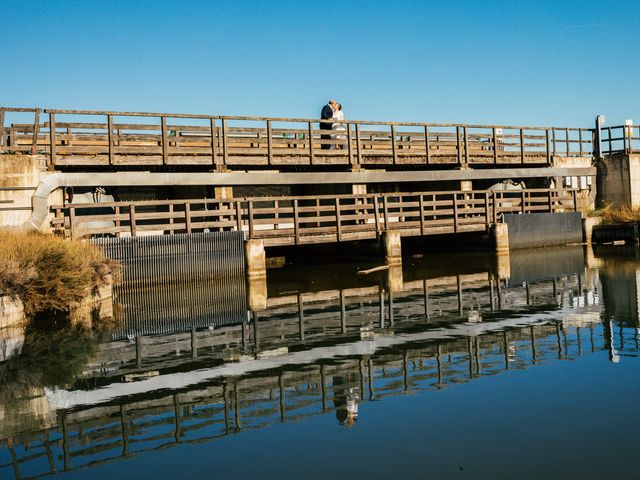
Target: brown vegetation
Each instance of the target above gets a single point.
(48, 273)
(612, 214)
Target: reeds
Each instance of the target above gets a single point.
(612, 214)
(48, 273)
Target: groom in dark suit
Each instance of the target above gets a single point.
(326, 114)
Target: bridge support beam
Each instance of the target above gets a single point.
(499, 233)
(587, 228)
(256, 274)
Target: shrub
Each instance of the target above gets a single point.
(48, 273)
(612, 214)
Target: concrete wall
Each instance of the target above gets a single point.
(543, 229)
(19, 171)
(619, 180)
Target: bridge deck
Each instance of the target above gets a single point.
(141, 140)
(314, 219)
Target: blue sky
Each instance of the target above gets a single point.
(519, 62)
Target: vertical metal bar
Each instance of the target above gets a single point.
(110, 137)
(52, 139)
(269, 148)
(296, 226)
(132, 220)
(36, 129)
(337, 208)
(187, 217)
(163, 128)
(427, 146)
(310, 138)
(358, 146)
(393, 144)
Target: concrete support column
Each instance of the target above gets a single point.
(587, 228)
(256, 274)
(393, 248)
(223, 193)
(359, 188)
(500, 237)
(466, 185)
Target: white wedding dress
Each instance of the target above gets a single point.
(338, 128)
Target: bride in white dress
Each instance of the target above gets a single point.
(339, 128)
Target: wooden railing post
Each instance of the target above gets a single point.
(466, 146)
(310, 138)
(385, 209)
(422, 224)
(52, 139)
(522, 146)
(376, 210)
(269, 149)
(486, 208)
(575, 200)
(393, 144)
(36, 130)
(455, 213)
(550, 201)
(163, 128)
(580, 140)
(547, 146)
(214, 141)
(296, 226)
(349, 147)
(567, 141)
(238, 215)
(458, 146)
(250, 211)
(2, 135)
(132, 220)
(72, 222)
(187, 217)
(358, 145)
(225, 153)
(522, 206)
(110, 137)
(338, 228)
(553, 140)
(495, 145)
(495, 206)
(426, 144)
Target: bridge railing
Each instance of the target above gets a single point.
(313, 219)
(136, 139)
(620, 139)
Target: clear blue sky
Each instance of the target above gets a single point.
(518, 62)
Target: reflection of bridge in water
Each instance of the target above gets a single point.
(307, 354)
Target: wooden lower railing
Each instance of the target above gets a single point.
(317, 219)
(74, 138)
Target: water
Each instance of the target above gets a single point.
(471, 377)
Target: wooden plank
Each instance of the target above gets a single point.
(269, 147)
(36, 128)
(52, 140)
(187, 217)
(310, 141)
(163, 126)
(296, 225)
(338, 222)
(132, 220)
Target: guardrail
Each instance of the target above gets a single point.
(620, 139)
(136, 139)
(313, 219)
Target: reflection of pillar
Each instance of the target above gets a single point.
(237, 405)
(124, 431)
(371, 391)
(176, 409)
(439, 363)
(282, 400)
(139, 351)
(343, 312)
(459, 285)
(405, 370)
(491, 293)
(256, 337)
(323, 388)
(587, 228)
(381, 295)
(301, 317)
(534, 357)
(194, 346)
(225, 397)
(426, 299)
(394, 278)
(391, 319)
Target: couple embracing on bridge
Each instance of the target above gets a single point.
(332, 111)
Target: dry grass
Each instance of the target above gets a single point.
(49, 273)
(612, 214)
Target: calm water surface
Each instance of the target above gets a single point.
(473, 369)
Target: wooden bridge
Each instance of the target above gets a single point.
(314, 219)
(73, 139)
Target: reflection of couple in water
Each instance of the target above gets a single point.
(346, 398)
(332, 111)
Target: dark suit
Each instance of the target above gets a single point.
(326, 114)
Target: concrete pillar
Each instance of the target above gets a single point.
(256, 274)
(587, 227)
(618, 180)
(19, 171)
(223, 193)
(359, 188)
(393, 248)
(500, 237)
(466, 185)
(394, 279)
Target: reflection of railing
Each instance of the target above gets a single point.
(314, 219)
(137, 139)
(620, 139)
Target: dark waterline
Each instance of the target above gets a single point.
(459, 375)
